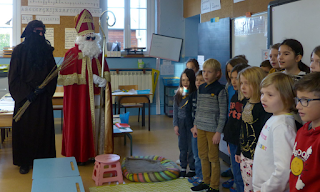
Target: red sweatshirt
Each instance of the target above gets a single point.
(305, 161)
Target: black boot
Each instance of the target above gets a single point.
(24, 169)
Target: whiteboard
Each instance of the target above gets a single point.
(165, 47)
(298, 20)
(249, 37)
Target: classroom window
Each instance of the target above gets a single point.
(132, 18)
(6, 14)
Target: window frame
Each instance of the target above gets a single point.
(16, 23)
(127, 31)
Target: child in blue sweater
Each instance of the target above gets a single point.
(191, 111)
(180, 121)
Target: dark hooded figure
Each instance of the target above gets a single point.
(33, 135)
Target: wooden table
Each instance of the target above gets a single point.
(6, 118)
(133, 98)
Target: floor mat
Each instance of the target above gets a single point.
(175, 185)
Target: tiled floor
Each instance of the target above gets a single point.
(161, 141)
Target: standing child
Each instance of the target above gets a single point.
(271, 168)
(193, 64)
(191, 110)
(180, 121)
(273, 58)
(253, 119)
(290, 55)
(208, 124)
(266, 66)
(305, 161)
(239, 59)
(233, 126)
(315, 60)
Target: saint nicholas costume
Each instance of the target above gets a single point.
(82, 138)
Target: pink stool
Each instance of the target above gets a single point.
(107, 163)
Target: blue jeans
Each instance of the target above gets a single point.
(236, 168)
(197, 161)
(186, 155)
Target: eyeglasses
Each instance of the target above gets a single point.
(304, 102)
(88, 38)
(38, 31)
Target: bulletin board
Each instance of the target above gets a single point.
(59, 31)
(228, 8)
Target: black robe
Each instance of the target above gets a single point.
(33, 136)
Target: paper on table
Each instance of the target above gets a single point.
(236, 1)
(70, 37)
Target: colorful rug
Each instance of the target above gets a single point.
(175, 185)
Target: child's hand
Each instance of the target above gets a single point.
(176, 130)
(237, 158)
(229, 150)
(216, 138)
(194, 131)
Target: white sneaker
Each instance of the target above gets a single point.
(178, 162)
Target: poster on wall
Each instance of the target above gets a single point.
(25, 19)
(265, 54)
(65, 3)
(50, 35)
(210, 5)
(70, 37)
(48, 19)
(215, 5)
(205, 6)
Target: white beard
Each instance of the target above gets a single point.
(92, 49)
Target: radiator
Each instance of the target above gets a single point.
(143, 80)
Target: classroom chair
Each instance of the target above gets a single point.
(130, 105)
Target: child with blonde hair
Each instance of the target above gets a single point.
(232, 128)
(253, 119)
(271, 166)
(208, 124)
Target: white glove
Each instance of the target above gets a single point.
(101, 82)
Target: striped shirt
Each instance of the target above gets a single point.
(212, 107)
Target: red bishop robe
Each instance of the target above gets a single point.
(81, 137)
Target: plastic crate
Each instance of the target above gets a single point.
(171, 91)
(169, 111)
(145, 91)
(171, 81)
(169, 101)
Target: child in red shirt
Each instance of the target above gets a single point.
(305, 161)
